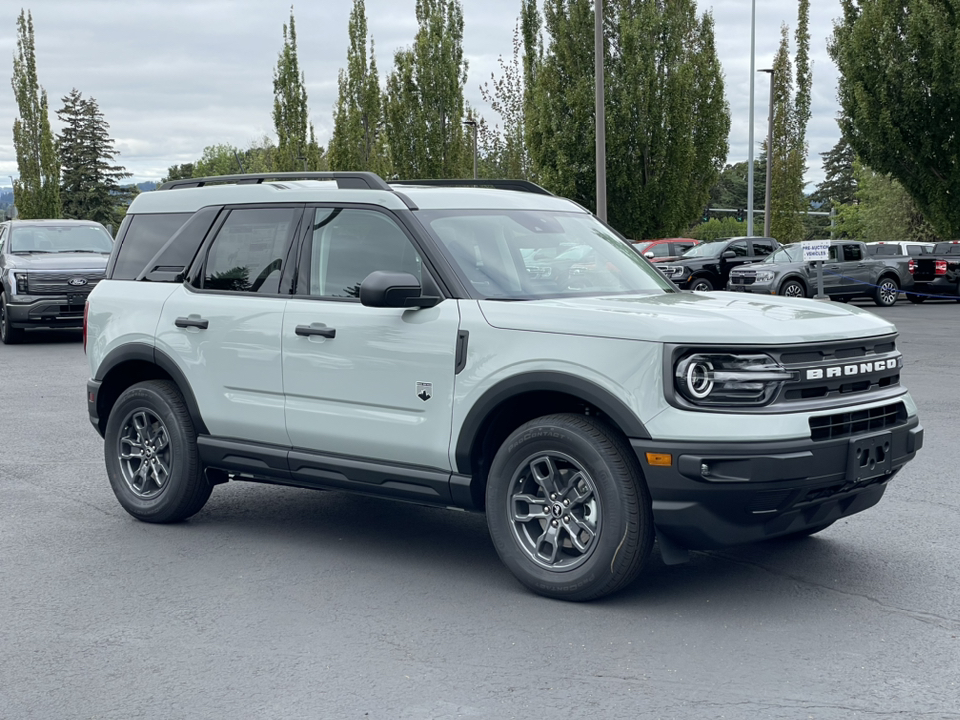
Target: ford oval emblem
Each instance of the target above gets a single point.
(77, 282)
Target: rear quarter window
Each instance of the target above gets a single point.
(144, 237)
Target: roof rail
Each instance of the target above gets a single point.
(518, 185)
(345, 180)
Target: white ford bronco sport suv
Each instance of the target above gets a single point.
(478, 348)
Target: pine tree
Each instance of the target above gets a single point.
(297, 148)
(839, 183)
(37, 192)
(424, 105)
(90, 184)
(358, 141)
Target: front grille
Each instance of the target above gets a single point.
(767, 501)
(59, 283)
(745, 279)
(845, 424)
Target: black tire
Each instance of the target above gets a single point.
(793, 288)
(9, 335)
(169, 439)
(599, 492)
(701, 284)
(916, 299)
(800, 534)
(887, 292)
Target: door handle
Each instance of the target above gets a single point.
(185, 322)
(309, 330)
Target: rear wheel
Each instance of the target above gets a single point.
(150, 448)
(567, 508)
(887, 292)
(9, 335)
(701, 285)
(794, 289)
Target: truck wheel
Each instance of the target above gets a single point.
(8, 335)
(916, 299)
(887, 292)
(568, 509)
(701, 284)
(794, 289)
(150, 448)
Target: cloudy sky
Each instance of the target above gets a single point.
(173, 76)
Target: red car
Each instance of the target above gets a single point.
(664, 249)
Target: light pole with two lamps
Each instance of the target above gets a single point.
(473, 124)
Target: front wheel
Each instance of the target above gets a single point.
(701, 285)
(567, 508)
(150, 448)
(9, 335)
(887, 292)
(793, 289)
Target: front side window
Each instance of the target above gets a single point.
(739, 248)
(344, 245)
(529, 254)
(660, 250)
(247, 254)
(61, 239)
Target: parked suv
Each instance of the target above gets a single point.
(664, 249)
(48, 267)
(404, 341)
(707, 266)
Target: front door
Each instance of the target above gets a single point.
(378, 382)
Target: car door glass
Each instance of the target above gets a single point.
(681, 248)
(247, 254)
(660, 250)
(739, 248)
(833, 253)
(344, 245)
(852, 253)
(762, 248)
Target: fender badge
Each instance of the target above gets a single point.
(424, 390)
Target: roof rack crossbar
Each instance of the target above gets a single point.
(344, 180)
(518, 185)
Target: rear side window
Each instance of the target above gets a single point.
(762, 248)
(852, 253)
(145, 235)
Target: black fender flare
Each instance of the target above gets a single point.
(149, 354)
(542, 381)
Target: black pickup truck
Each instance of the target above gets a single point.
(937, 273)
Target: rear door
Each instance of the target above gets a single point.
(857, 273)
(223, 326)
(378, 383)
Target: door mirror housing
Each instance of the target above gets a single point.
(728, 255)
(394, 290)
(649, 255)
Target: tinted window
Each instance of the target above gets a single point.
(762, 248)
(681, 248)
(660, 250)
(947, 249)
(247, 254)
(346, 245)
(144, 237)
(739, 248)
(852, 253)
(917, 250)
(884, 250)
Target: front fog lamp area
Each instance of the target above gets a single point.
(723, 379)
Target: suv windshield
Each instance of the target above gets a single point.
(526, 254)
(790, 253)
(705, 249)
(60, 239)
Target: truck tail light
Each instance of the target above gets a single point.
(941, 266)
(912, 266)
(86, 309)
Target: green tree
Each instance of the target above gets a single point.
(791, 102)
(839, 184)
(899, 63)
(180, 172)
(667, 120)
(504, 146)
(358, 141)
(37, 191)
(297, 148)
(90, 186)
(730, 190)
(424, 105)
(718, 228)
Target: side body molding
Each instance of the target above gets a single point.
(546, 381)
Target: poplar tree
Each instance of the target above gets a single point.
(899, 92)
(90, 183)
(667, 119)
(37, 192)
(358, 141)
(424, 107)
(297, 148)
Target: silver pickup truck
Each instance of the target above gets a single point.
(850, 272)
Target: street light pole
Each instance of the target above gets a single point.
(601, 119)
(13, 199)
(753, 49)
(766, 199)
(473, 124)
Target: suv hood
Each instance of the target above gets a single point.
(721, 318)
(58, 261)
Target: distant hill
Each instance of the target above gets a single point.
(146, 186)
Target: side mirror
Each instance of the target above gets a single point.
(728, 255)
(648, 255)
(393, 290)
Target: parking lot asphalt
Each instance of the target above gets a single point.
(283, 603)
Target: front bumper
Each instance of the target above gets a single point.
(766, 288)
(54, 311)
(719, 494)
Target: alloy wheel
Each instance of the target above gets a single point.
(888, 292)
(145, 454)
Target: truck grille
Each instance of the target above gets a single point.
(845, 424)
(59, 283)
(746, 278)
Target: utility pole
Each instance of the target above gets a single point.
(753, 49)
(766, 203)
(473, 124)
(601, 118)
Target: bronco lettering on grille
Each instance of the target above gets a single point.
(854, 369)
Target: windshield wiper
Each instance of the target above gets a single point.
(31, 252)
(98, 252)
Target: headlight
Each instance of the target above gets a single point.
(724, 379)
(764, 276)
(22, 288)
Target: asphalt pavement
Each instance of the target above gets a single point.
(283, 603)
